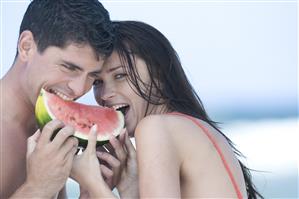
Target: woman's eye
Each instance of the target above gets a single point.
(119, 76)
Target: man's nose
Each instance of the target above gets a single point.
(80, 85)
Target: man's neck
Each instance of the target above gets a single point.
(15, 104)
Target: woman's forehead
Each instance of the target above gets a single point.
(111, 62)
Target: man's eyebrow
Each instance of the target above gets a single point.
(75, 66)
(72, 65)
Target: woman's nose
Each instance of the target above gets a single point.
(107, 95)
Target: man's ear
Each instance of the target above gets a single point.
(26, 45)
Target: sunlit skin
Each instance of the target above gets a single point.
(113, 88)
(69, 71)
(175, 158)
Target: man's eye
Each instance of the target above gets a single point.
(69, 67)
(119, 76)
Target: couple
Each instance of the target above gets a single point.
(70, 46)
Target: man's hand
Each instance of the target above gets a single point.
(49, 162)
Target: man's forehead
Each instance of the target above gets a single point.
(87, 48)
(94, 67)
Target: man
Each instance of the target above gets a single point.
(61, 48)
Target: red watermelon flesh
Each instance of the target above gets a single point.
(80, 116)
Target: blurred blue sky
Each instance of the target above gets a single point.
(240, 56)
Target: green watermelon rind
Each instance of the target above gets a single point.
(44, 115)
(41, 111)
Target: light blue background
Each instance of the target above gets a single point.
(241, 58)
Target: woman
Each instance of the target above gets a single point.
(180, 150)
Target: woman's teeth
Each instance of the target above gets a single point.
(122, 108)
(116, 107)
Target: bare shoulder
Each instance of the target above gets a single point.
(149, 123)
(184, 134)
(152, 129)
(155, 134)
(191, 146)
(158, 160)
(165, 125)
(173, 132)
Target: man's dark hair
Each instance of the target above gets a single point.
(61, 22)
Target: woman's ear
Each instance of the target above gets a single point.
(26, 45)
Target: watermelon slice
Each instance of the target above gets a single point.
(80, 116)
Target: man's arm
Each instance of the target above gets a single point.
(13, 161)
(49, 162)
(62, 194)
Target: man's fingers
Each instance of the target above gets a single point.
(63, 135)
(32, 141)
(122, 136)
(35, 137)
(70, 156)
(69, 144)
(109, 159)
(118, 149)
(107, 175)
(102, 149)
(48, 131)
(92, 139)
(109, 148)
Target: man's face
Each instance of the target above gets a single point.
(68, 72)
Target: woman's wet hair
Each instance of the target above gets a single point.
(168, 84)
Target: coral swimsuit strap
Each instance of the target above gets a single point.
(206, 131)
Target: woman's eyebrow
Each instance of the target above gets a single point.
(115, 68)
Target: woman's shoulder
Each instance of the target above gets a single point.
(172, 127)
(156, 144)
(154, 125)
(174, 138)
(174, 122)
(193, 144)
(187, 134)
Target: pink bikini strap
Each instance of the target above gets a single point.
(206, 131)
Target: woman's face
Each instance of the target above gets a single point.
(114, 90)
